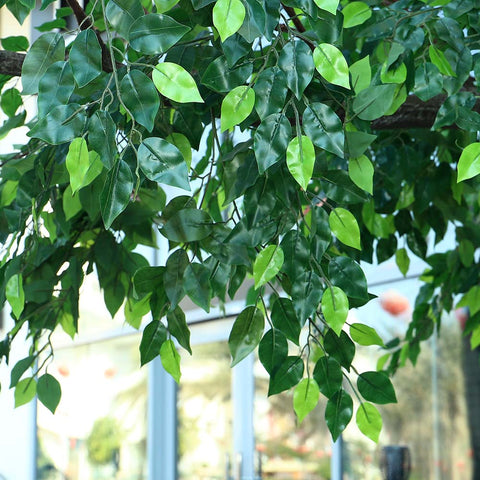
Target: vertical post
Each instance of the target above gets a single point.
(336, 465)
(435, 407)
(162, 424)
(243, 392)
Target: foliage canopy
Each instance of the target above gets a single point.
(323, 134)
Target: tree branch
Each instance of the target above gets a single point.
(11, 63)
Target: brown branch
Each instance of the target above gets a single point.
(11, 63)
(296, 21)
(85, 23)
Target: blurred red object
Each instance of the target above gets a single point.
(63, 370)
(394, 303)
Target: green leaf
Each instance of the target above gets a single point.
(301, 160)
(19, 369)
(369, 421)
(181, 142)
(155, 33)
(338, 413)
(428, 81)
(331, 65)
(61, 125)
(85, 57)
(403, 261)
(328, 375)
(45, 51)
(267, 264)
(469, 162)
(77, 162)
(17, 43)
(285, 319)
(271, 140)
(246, 333)
(296, 61)
(177, 326)
(341, 348)
(335, 308)
(361, 172)
(10, 101)
(328, 5)
(196, 283)
(163, 162)
(361, 73)
(173, 277)
(305, 398)
(273, 350)
(175, 83)
(345, 227)
(49, 391)
(135, 310)
(171, 359)
(165, 5)
(15, 294)
(322, 125)
(228, 16)
(376, 387)
(101, 137)
(365, 335)
(116, 192)
(439, 60)
(307, 292)
(55, 87)
(188, 225)
(25, 391)
(236, 106)
(141, 98)
(345, 273)
(374, 101)
(471, 299)
(287, 376)
(270, 92)
(220, 77)
(153, 337)
(355, 13)
(122, 13)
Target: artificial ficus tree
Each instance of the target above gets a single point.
(323, 134)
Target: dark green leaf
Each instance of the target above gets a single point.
(270, 92)
(273, 350)
(15, 43)
(49, 391)
(177, 326)
(284, 319)
(55, 87)
(374, 101)
(376, 387)
(246, 333)
(287, 375)
(328, 375)
(219, 77)
(85, 57)
(307, 290)
(173, 277)
(196, 283)
(10, 101)
(341, 348)
(19, 369)
(101, 137)
(348, 275)
(122, 13)
(147, 279)
(153, 337)
(188, 225)
(338, 413)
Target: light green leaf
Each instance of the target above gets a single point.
(469, 162)
(9, 192)
(165, 5)
(77, 162)
(471, 300)
(155, 33)
(305, 397)
(402, 260)
(236, 106)
(355, 13)
(335, 308)
(116, 192)
(331, 64)
(440, 61)
(49, 391)
(246, 333)
(25, 391)
(301, 159)
(85, 57)
(14, 294)
(71, 203)
(328, 5)
(47, 49)
(228, 16)
(475, 338)
(135, 310)
(365, 335)
(175, 83)
(361, 73)
(369, 421)
(181, 142)
(141, 97)
(10, 100)
(361, 172)
(171, 359)
(345, 227)
(267, 264)
(162, 162)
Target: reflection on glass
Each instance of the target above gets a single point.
(205, 413)
(99, 429)
(287, 450)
